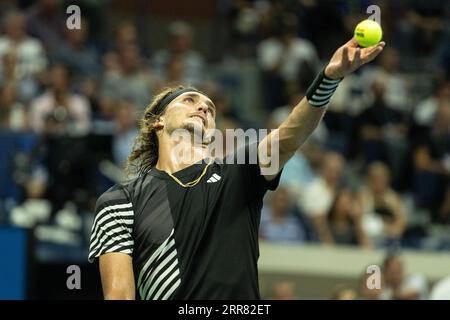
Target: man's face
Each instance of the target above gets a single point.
(191, 111)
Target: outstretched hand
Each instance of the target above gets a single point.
(350, 57)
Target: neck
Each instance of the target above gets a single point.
(174, 155)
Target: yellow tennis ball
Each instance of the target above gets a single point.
(368, 33)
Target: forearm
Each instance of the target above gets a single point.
(307, 114)
(299, 125)
(289, 136)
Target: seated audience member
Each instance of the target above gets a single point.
(432, 167)
(345, 220)
(278, 220)
(398, 285)
(128, 79)
(318, 197)
(12, 113)
(179, 51)
(58, 110)
(384, 217)
(75, 52)
(382, 134)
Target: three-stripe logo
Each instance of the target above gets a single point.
(214, 178)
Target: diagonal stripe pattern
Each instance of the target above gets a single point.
(160, 275)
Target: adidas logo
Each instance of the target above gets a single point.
(214, 178)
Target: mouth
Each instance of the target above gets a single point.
(200, 117)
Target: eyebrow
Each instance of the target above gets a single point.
(208, 101)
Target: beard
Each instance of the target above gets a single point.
(197, 132)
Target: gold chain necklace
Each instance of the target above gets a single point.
(191, 183)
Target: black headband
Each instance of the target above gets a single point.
(161, 107)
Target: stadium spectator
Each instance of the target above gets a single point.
(279, 222)
(46, 21)
(398, 285)
(286, 60)
(318, 197)
(396, 89)
(131, 80)
(431, 162)
(384, 217)
(383, 134)
(125, 35)
(23, 57)
(31, 59)
(180, 48)
(58, 110)
(425, 112)
(76, 54)
(345, 220)
(13, 115)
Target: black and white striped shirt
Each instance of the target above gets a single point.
(186, 243)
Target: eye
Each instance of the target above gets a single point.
(188, 99)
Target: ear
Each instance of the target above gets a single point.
(159, 124)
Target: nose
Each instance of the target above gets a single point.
(203, 107)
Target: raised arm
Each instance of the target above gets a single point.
(307, 114)
(116, 270)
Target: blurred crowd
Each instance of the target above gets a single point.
(395, 282)
(374, 174)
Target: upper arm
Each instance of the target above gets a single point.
(113, 225)
(113, 243)
(116, 270)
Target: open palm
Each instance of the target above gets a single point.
(350, 57)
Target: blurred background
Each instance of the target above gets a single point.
(370, 187)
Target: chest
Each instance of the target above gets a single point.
(212, 204)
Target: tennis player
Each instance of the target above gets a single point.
(190, 230)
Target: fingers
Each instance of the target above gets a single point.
(371, 53)
(357, 57)
(345, 60)
(352, 43)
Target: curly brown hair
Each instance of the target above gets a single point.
(144, 155)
